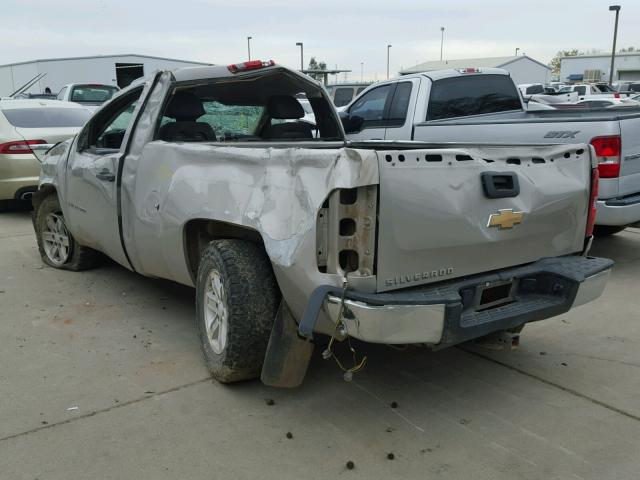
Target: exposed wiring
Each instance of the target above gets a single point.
(328, 352)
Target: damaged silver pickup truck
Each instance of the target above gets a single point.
(211, 178)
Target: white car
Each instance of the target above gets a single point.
(28, 128)
(608, 103)
(90, 95)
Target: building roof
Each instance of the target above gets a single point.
(489, 62)
(103, 56)
(601, 55)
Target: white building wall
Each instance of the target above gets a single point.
(80, 70)
(526, 71)
(578, 65)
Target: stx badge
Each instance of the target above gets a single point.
(506, 218)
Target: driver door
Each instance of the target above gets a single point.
(92, 183)
(370, 109)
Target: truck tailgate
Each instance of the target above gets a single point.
(438, 221)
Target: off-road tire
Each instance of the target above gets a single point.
(80, 257)
(606, 230)
(252, 299)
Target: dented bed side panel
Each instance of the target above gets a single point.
(274, 191)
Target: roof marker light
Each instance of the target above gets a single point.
(468, 70)
(250, 65)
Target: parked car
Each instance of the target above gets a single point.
(602, 103)
(483, 105)
(627, 87)
(591, 91)
(342, 93)
(90, 95)
(27, 129)
(287, 231)
(43, 96)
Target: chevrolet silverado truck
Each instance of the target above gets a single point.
(208, 177)
(483, 105)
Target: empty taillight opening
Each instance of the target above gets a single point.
(19, 147)
(250, 65)
(608, 150)
(593, 197)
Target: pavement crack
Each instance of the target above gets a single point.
(571, 391)
(105, 410)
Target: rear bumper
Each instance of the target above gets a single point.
(445, 315)
(618, 211)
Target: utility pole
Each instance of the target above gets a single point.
(517, 48)
(361, 72)
(300, 44)
(388, 48)
(249, 47)
(441, 41)
(614, 8)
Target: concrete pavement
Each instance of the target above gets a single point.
(123, 350)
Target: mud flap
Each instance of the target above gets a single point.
(288, 355)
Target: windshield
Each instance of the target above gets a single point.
(92, 94)
(46, 117)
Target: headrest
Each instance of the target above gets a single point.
(184, 105)
(284, 107)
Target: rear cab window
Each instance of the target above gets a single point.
(92, 94)
(275, 107)
(49, 117)
(472, 95)
(342, 96)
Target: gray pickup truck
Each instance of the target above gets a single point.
(482, 106)
(208, 177)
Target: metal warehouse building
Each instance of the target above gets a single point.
(523, 69)
(117, 70)
(597, 67)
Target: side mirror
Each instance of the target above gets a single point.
(351, 123)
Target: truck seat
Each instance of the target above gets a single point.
(185, 108)
(285, 107)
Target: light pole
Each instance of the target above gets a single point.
(299, 44)
(517, 48)
(441, 41)
(614, 8)
(388, 48)
(249, 47)
(361, 71)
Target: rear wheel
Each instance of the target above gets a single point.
(236, 302)
(57, 246)
(606, 230)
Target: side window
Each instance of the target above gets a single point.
(343, 96)
(581, 90)
(61, 93)
(360, 90)
(370, 107)
(107, 130)
(399, 105)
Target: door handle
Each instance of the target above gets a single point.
(105, 175)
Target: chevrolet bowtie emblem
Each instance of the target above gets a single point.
(506, 218)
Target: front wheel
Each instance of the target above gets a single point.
(236, 302)
(57, 246)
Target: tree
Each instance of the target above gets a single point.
(315, 65)
(555, 61)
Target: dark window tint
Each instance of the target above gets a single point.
(634, 87)
(370, 106)
(472, 95)
(535, 89)
(343, 96)
(46, 117)
(581, 90)
(399, 105)
(95, 94)
(360, 90)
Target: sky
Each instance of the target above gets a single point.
(349, 34)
